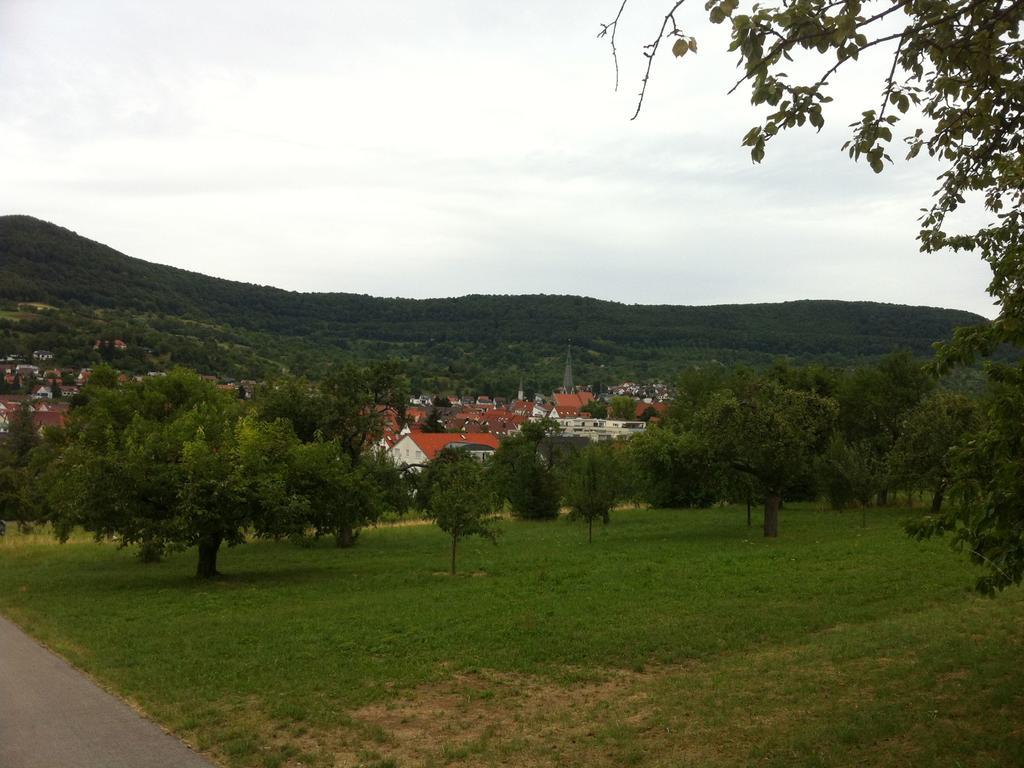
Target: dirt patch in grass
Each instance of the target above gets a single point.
(498, 718)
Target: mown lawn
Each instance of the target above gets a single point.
(677, 638)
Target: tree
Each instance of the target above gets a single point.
(461, 502)
(294, 399)
(356, 402)
(771, 433)
(349, 409)
(675, 468)
(232, 483)
(920, 458)
(622, 407)
(523, 477)
(593, 485)
(433, 424)
(957, 65)
(170, 463)
(987, 485)
(22, 437)
(874, 402)
(849, 473)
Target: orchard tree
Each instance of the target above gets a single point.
(461, 501)
(920, 458)
(522, 475)
(232, 482)
(170, 463)
(849, 473)
(349, 409)
(341, 497)
(294, 399)
(675, 468)
(874, 402)
(22, 437)
(987, 486)
(15, 453)
(593, 485)
(771, 433)
(356, 402)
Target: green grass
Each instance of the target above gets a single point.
(676, 638)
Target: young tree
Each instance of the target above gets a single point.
(593, 484)
(849, 473)
(771, 433)
(461, 502)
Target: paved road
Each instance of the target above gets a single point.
(53, 716)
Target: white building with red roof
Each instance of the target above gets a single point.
(420, 448)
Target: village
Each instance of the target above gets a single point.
(430, 423)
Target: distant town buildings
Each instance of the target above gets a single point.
(431, 423)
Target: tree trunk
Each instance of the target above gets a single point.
(883, 497)
(455, 540)
(208, 548)
(345, 537)
(940, 492)
(771, 515)
(590, 530)
(748, 513)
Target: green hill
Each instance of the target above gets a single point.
(169, 315)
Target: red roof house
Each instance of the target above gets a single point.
(423, 447)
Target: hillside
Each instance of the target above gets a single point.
(482, 342)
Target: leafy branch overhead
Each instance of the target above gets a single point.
(958, 65)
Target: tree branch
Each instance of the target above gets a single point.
(614, 27)
(652, 50)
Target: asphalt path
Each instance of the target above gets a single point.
(53, 716)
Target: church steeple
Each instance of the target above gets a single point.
(567, 385)
(521, 396)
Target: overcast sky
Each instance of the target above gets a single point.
(443, 148)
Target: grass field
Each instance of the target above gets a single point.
(678, 638)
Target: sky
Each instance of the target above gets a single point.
(428, 149)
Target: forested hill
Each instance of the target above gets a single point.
(41, 262)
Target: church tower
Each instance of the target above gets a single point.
(567, 385)
(520, 397)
